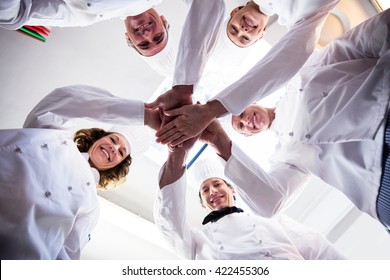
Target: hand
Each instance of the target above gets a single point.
(216, 137)
(152, 118)
(175, 98)
(190, 121)
(211, 133)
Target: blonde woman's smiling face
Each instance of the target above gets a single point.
(109, 151)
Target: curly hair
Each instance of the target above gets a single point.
(84, 139)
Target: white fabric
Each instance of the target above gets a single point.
(330, 122)
(205, 169)
(199, 36)
(64, 13)
(164, 61)
(236, 236)
(48, 198)
(285, 58)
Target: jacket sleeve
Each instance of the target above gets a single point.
(79, 236)
(278, 66)
(170, 218)
(311, 244)
(266, 193)
(199, 36)
(60, 108)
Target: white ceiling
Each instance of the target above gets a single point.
(98, 55)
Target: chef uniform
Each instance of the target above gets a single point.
(330, 123)
(48, 198)
(64, 13)
(238, 235)
(304, 20)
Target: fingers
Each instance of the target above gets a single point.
(179, 141)
(153, 105)
(164, 129)
(173, 112)
(169, 136)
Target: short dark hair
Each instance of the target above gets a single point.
(84, 139)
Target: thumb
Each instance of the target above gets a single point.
(153, 105)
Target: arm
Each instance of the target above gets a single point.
(79, 236)
(278, 66)
(169, 212)
(265, 193)
(64, 105)
(199, 37)
(311, 244)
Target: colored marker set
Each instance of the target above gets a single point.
(37, 32)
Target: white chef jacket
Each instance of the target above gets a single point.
(198, 39)
(305, 20)
(48, 198)
(65, 13)
(330, 123)
(206, 52)
(237, 235)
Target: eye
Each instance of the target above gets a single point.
(245, 39)
(234, 30)
(144, 45)
(241, 126)
(159, 38)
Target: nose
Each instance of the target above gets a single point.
(114, 148)
(244, 28)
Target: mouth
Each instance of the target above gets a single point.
(143, 26)
(254, 121)
(249, 22)
(216, 199)
(105, 152)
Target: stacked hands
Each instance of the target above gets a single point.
(181, 120)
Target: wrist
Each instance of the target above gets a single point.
(215, 108)
(184, 89)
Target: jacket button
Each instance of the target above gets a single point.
(89, 4)
(291, 134)
(70, 188)
(44, 146)
(88, 183)
(324, 94)
(47, 194)
(64, 142)
(18, 150)
(307, 136)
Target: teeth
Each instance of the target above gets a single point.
(105, 152)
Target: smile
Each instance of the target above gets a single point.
(249, 22)
(105, 153)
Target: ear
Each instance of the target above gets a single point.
(234, 11)
(166, 24)
(263, 33)
(128, 40)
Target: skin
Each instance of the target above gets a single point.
(147, 33)
(254, 119)
(247, 25)
(216, 194)
(190, 121)
(109, 151)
